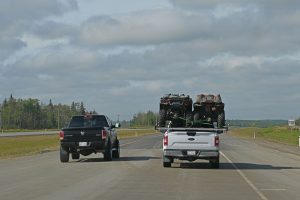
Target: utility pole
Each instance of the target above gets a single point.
(58, 119)
(118, 118)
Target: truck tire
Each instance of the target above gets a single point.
(162, 118)
(75, 156)
(108, 152)
(215, 163)
(64, 155)
(221, 120)
(167, 161)
(167, 164)
(116, 151)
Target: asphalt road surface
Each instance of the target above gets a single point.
(248, 171)
(28, 133)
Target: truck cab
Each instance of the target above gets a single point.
(87, 134)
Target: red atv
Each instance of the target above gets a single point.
(209, 108)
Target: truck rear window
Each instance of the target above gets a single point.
(88, 121)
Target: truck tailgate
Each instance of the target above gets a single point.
(82, 134)
(191, 140)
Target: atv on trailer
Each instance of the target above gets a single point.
(210, 108)
(177, 109)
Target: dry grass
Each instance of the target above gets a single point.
(27, 145)
(134, 133)
(277, 134)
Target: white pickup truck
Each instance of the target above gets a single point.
(191, 144)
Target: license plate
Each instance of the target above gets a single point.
(82, 144)
(191, 153)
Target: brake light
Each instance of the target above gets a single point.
(61, 135)
(103, 134)
(217, 141)
(166, 139)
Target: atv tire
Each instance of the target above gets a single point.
(162, 118)
(196, 116)
(221, 120)
(189, 119)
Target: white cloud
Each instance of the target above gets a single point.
(111, 57)
(45, 77)
(226, 10)
(140, 28)
(18, 17)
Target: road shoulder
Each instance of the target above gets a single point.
(286, 148)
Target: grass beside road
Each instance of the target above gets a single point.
(126, 133)
(27, 145)
(26, 130)
(11, 147)
(276, 134)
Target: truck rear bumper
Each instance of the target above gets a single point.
(97, 146)
(200, 154)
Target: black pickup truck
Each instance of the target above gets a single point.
(87, 134)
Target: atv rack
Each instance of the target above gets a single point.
(170, 129)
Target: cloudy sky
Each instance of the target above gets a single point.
(120, 57)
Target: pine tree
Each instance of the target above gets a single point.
(82, 109)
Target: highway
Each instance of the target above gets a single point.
(248, 171)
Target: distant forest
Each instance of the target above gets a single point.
(143, 119)
(257, 123)
(32, 114)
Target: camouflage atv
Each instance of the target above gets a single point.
(177, 109)
(209, 108)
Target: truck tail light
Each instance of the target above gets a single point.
(166, 139)
(104, 134)
(217, 141)
(61, 135)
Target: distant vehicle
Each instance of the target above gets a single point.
(209, 108)
(176, 109)
(87, 134)
(191, 144)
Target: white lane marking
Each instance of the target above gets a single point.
(259, 193)
(279, 189)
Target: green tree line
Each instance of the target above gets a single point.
(257, 123)
(297, 121)
(32, 114)
(144, 119)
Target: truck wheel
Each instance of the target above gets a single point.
(64, 155)
(116, 151)
(215, 162)
(167, 161)
(166, 164)
(75, 156)
(162, 118)
(108, 152)
(221, 120)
